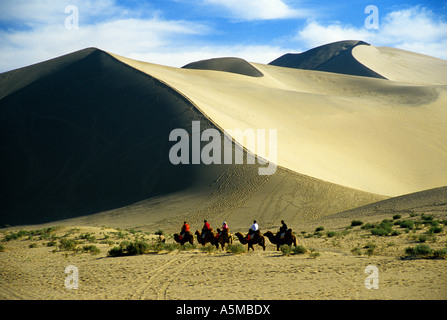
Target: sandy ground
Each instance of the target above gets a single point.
(328, 270)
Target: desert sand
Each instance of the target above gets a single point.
(85, 145)
(333, 267)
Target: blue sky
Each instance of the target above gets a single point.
(176, 32)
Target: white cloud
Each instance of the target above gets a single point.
(315, 34)
(42, 34)
(413, 24)
(258, 9)
(415, 29)
(123, 36)
(187, 54)
(33, 13)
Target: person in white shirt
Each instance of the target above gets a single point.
(254, 228)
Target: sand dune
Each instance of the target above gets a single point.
(362, 59)
(85, 133)
(379, 136)
(234, 65)
(334, 57)
(400, 65)
(432, 201)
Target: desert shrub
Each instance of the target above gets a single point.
(33, 245)
(187, 246)
(171, 246)
(314, 254)
(108, 242)
(356, 251)
(397, 216)
(429, 220)
(235, 248)
(87, 236)
(383, 229)
(318, 229)
(209, 248)
(368, 226)
(299, 250)
(427, 217)
(422, 238)
(331, 234)
(440, 254)
(380, 231)
(52, 243)
(116, 252)
(30, 233)
(421, 250)
(121, 235)
(370, 248)
(159, 232)
(137, 247)
(355, 223)
(127, 248)
(67, 244)
(409, 224)
(157, 247)
(286, 249)
(91, 249)
(309, 235)
(434, 229)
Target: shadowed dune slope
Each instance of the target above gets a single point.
(233, 65)
(333, 57)
(86, 133)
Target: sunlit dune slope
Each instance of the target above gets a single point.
(400, 65)
(380, 136)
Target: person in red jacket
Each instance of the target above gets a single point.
(206, 228)
(185, 229)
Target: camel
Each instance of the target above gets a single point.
(257, 238)
(289, 238)
(224, 237)
(209, 237)
(188, 237)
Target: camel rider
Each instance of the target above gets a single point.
(254, 228)
(185, 229)
(225, 228)
(283, 229)
(206, 228)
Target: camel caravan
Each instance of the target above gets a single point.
(223, 236)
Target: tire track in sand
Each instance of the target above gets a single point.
(156, 287)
